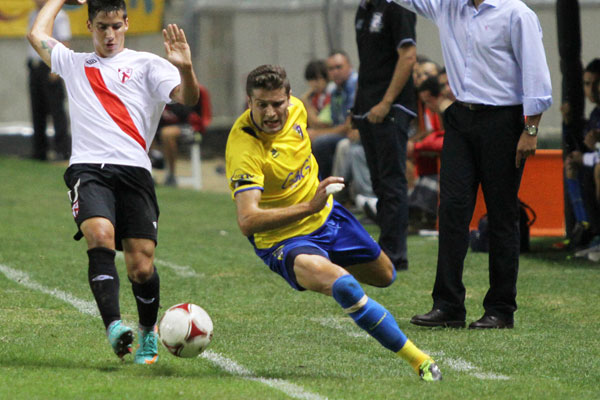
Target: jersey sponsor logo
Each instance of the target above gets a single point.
(125, 74)
(298, 129)
(376, 23)
(113, 105)
(294, 177)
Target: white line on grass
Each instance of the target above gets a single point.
(230, 366)
(184, 271)
(456, 364)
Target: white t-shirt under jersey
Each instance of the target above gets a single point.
(115, 103)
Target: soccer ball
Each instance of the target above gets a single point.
(185, 330)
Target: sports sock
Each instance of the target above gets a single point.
(576, 200)
(412, 355)
(147, 297)
(104, 282)
(368, 314)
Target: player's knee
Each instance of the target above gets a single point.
(99, 235)
(347, 291)
(316, 273)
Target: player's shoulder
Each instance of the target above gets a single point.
(244, 130)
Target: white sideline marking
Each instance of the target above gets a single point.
(234, 368)
(184, 271)
(230, 366)
(456, 364)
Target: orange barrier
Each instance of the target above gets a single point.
(542, 189)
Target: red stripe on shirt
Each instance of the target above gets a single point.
(113, 105)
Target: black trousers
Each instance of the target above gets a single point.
(385, 151)
(479, 147)
(47, 97)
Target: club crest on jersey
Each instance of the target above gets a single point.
(298, 129)
(376, 23)
(125, 74)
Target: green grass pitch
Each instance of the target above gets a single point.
(270, 342)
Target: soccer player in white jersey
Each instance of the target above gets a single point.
(116, 97)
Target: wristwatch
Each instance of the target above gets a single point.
(531, 130)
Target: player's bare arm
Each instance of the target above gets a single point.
(253, 219)
(180, 55)
(40, 35)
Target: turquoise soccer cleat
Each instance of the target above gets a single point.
(147, 352)
(120, 338)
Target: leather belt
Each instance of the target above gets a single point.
(478, 107)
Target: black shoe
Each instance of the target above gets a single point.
(491, 322)
(401, 266)
(437, 317)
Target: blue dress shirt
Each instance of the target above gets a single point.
(494, 55)
(342, 99)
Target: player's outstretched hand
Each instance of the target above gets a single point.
(322, 194)
(176, 46)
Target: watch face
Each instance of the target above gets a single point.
(532, 130)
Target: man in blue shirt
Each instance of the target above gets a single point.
(497, 69)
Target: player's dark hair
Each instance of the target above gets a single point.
(430, 84)
(593, 66)
(315, 69)
(107, 6)
(268, 77)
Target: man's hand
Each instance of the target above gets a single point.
(321, 196)
(177, 48)
(525, 148)
(378, 113)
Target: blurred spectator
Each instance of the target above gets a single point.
(581, 182)
(425, 154)
(316, 99)
(47, 94)
(176, 119)
(342, 91)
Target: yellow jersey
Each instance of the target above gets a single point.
(281, 165)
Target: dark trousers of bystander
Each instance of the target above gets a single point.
(47, 97)
(385, 150)
(479, 147)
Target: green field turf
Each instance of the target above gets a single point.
(270, 342)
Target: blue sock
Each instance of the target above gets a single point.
(576, 201)
(367, 313)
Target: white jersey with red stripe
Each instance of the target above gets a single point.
(115, 103)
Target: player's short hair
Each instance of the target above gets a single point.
(432, 85)
(315, 69)
(593, 66)
(268, 77)
(97, 6)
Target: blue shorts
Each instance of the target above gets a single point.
(341, 239)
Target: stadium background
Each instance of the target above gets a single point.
(230, 37)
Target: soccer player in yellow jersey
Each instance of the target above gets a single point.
(296, 227)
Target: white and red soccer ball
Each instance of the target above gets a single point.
(185, 330)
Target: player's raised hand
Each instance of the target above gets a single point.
(176, 46)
